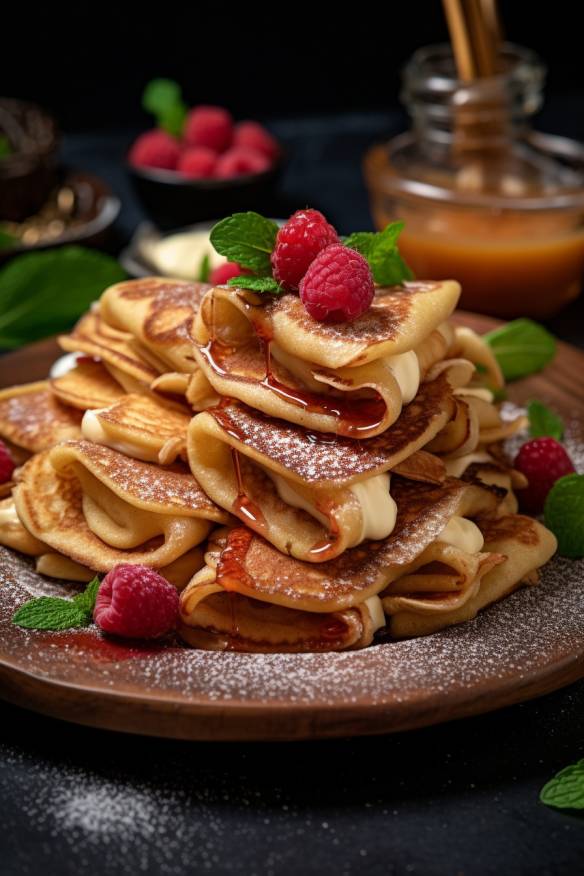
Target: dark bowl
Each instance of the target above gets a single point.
(171, 200)
(28, 174)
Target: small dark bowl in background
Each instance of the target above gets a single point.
(173, 201)
(27, 174)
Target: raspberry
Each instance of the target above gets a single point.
(224, 273)
(7, 464)
(338, 286)
(210, 126)
(298, 242)
(252, 135)
(543, 461)
(197, 162)
(155, 149)
(136, 602)
(240, 161)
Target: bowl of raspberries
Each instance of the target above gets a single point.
(198, 162)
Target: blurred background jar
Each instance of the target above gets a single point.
(485, 199)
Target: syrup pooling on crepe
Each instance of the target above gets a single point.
(100, 508)
(313, 495)
(33, 418)
(351, 379)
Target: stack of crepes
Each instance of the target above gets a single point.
(308, 486)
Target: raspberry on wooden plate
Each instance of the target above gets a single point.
(543, 461)
(136, 602)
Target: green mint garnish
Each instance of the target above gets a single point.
(52, 613)
(257, 284)
(204, 269)
(5, 147)
(543, 422)
(566, 789)
(44, 293)
(380, 250)
(564, 514)
(163, 98)
(521, 347)
(246, 238)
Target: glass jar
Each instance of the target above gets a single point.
(485, 199)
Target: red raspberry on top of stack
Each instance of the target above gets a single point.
(298, 242)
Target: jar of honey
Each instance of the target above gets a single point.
(485, 199)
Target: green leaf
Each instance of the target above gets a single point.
(204, 269)
(7, 240)
(43, 293)
(86, 600)
(257, 284)
(50, 613)
(163, 98)
(564, 514)
(5, 147)
(566, 789)
(246, 238)
(543, 422)
(380, 250)
(521, 347)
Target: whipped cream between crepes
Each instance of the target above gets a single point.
(8, 515)
(93, 430)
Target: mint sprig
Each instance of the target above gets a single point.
(256, 284)
(204, 269)
(564, 514)
(544, 423)
(52, 613)
(246, 238)
(566, 789)
(521, 347)
(163, 98)
(381, 251)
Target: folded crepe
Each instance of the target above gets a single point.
(350, 379)
(140, 426)
(516, 547)
(313, 495)
(34, 419)
(100, 508)
(88, 385)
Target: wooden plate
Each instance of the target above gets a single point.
(527, 645)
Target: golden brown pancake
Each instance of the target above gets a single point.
(159, 313)
(33, 418)
(88, 385)
(100, 508)
(141, 426)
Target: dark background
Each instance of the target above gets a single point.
(89, 65)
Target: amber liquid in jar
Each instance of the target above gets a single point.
(485, 200)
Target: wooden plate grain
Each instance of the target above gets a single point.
(526, 646)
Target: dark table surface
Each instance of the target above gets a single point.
(457, 799)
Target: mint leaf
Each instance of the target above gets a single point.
(204, 269)
(380, 250)
(163, 98)
(43, 293)
(566, 789)
(564, 514)
(257, 284)
(246, 238)
(521, 347)
(86, 600)
(5, 147)
(52, 613)
(543, 422)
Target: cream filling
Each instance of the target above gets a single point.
(93, 430)
(181, 255)
(8, 515)
(63, 365)
(463, 534)
(405, 367)
(375, 608)
(378, 508)
(455, 468)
